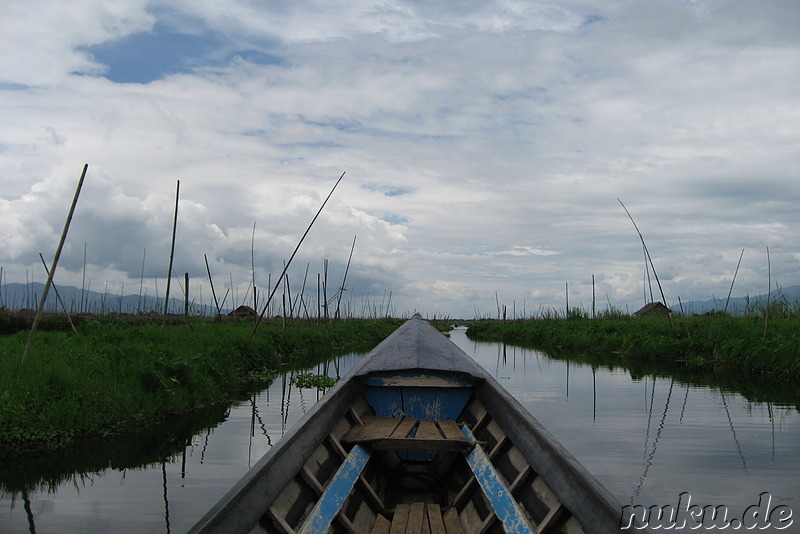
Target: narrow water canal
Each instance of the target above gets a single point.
(646, 436)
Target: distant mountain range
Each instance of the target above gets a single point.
(22, 296)
(738, 305)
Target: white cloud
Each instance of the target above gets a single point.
(485, 143)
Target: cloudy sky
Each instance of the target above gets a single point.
(485, 144)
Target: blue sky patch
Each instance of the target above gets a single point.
(388, 190)
(394, 218)
(147, 56)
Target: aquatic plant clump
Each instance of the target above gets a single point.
(311, 381)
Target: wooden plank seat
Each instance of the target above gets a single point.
(419, 518)
(392, 433)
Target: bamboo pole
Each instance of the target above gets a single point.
(83, 280)
(60, 300)
(344, 279)
(647, 253)
(269, 298)
(253, 266)
(769, 289)
(186, 298)
(52, 271)
(727, 301)
(171, 252)
(141, 283)
(325, 289)
(211, 282)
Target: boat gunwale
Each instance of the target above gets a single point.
(597, 510)
(251, 496)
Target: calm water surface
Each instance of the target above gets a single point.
(647, 439)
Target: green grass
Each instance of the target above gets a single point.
(715, 342)
(115, 378)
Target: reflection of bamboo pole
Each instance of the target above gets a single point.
(52, 270)
(171, 252)
(63, 306)
(166, 499)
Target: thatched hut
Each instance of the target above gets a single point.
(243, 312)
(653, 309)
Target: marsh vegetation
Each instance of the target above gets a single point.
(714, 341)
(117, 378)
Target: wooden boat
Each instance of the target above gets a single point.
(416, 438)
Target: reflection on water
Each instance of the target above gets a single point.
(647, 433)
(163, 480)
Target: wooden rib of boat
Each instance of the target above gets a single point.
(417, 438)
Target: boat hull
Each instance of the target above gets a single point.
(417, 434)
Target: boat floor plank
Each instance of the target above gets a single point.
(435, 519)
(452, 523)
(400, 519)
(382, 525)
(416, 517)
(421, 518)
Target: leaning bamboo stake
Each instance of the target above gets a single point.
(253, 266)
(58, 296)
(83, 280)
(286, 266)
(325, 289)
(186, 298)
(344, 279)
(52, 270)
(171, 252)
(730, 291)
(211, 282)
(647, 253)
(141, 283)
(769, 289)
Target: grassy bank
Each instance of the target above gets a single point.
(115, 378)
(713, 342)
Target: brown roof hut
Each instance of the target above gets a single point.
(242, 312)
(653, 309)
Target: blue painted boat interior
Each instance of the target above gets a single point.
(394, 394)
